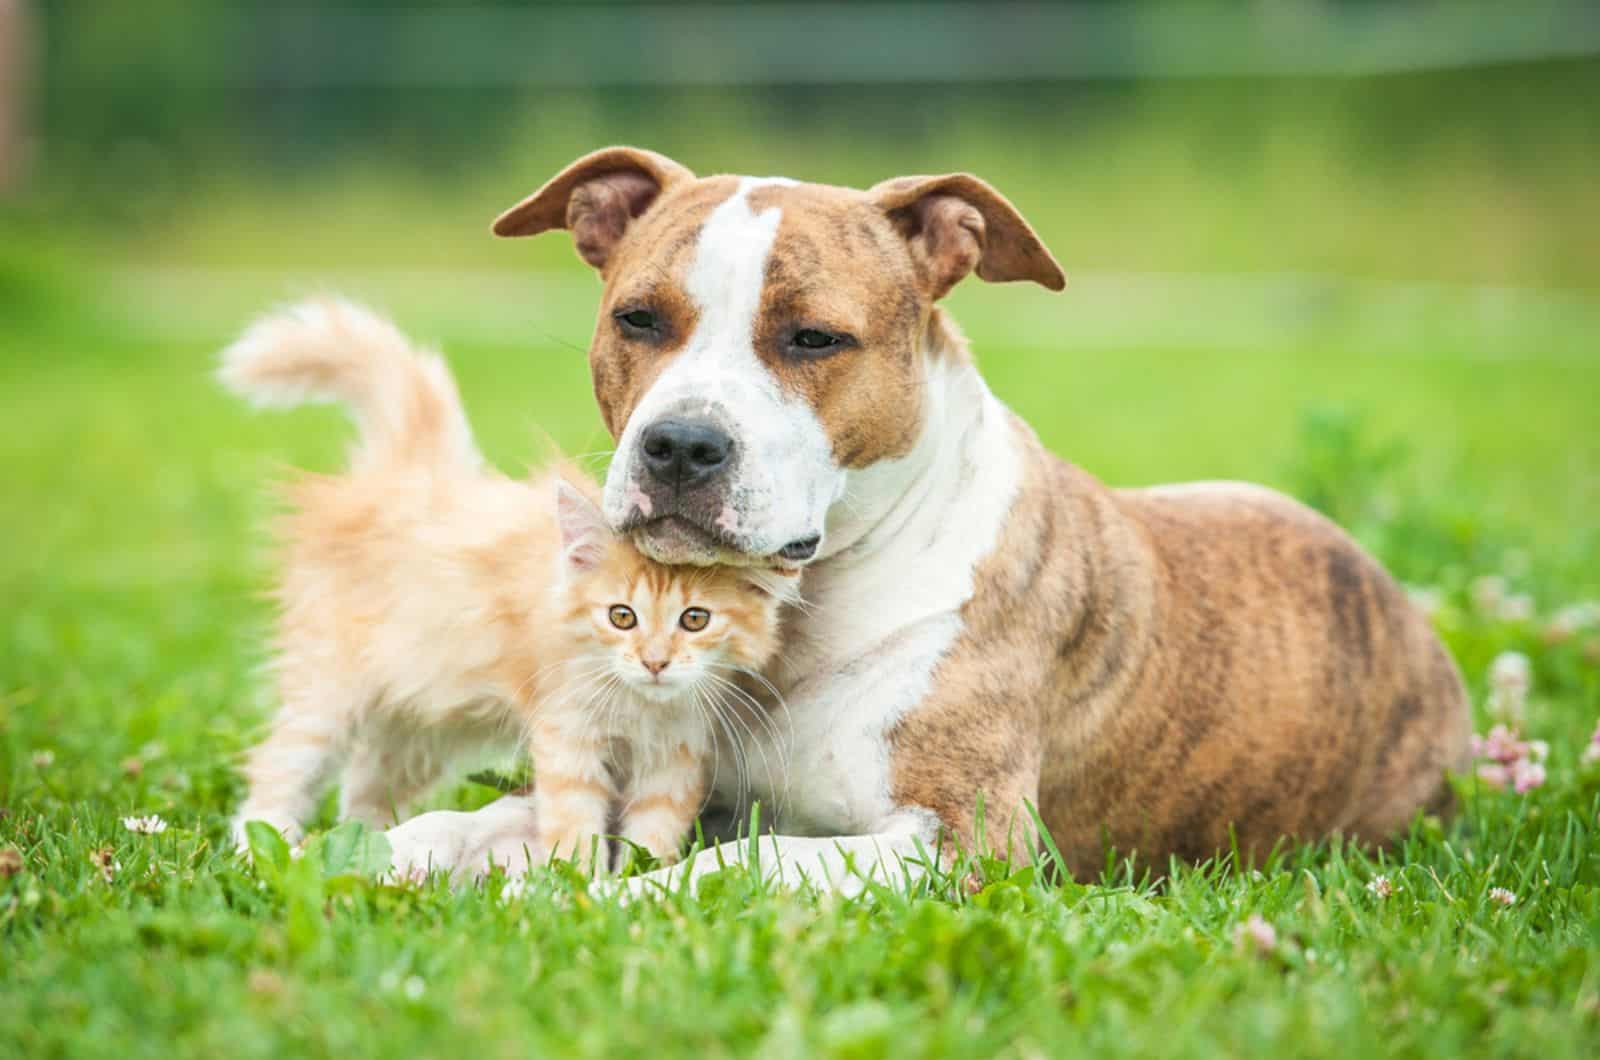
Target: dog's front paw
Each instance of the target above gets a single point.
(430, 842)
(517, 854)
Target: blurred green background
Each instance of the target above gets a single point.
(1275, 218)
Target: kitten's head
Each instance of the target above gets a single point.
(664, 631)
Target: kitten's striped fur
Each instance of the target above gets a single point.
(431, 609)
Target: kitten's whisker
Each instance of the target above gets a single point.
(763, 711)
(596, 659)
(589, 683)
(594, 703)
(597, 665)
(716, 752)
(783, 742)
(741, 766)
(735, 717)
(780, 787)
(754, 675)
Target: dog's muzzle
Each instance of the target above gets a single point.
(685, 489)
(680, 488)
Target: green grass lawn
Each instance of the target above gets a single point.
(131, 569)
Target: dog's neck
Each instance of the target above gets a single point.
(905, 539)
(883, 502)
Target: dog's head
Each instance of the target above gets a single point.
(759, 339)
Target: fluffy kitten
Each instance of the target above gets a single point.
(431, 609)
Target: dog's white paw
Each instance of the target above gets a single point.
(429, 843)
(516, 854)
(468, 846)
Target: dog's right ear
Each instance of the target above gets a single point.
(595, 198)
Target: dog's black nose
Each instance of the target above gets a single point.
(682, 453)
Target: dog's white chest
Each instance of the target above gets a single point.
(832, 779)
(868, 647)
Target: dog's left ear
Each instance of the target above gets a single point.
(956, 224)
(596, 198)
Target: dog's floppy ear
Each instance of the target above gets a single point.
(956, 224)
(596, 198)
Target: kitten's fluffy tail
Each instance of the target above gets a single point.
(403, 399)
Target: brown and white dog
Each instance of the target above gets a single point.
(987, 624)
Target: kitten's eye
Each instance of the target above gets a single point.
(640, 323)
(694, 619)
(622, 617)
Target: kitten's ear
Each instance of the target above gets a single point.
(584, 534)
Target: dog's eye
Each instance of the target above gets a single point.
(622, 616)
(815, 343)
(810, 338)
(638, 321)
(694, 619)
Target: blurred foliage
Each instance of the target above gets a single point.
(1339, 469)
(152, 115)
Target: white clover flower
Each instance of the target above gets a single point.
(1256, 935)
(151, 825)
(44, 759)
(1510, 677)
(1592, 752)
(1516, 608)
(1571, 620)
(1487, 593)
(1503, 896)
(1381, 887)
(1526, 775)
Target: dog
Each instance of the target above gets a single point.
(994, 639)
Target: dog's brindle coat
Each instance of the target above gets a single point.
(1150, 668)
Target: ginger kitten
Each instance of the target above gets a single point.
(432, 609)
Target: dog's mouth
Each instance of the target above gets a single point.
(674, 539)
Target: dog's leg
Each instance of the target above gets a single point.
(503, 833)
(892, 856)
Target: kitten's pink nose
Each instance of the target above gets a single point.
(655, 667)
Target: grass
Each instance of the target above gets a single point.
(131, 571)
(1452, 428)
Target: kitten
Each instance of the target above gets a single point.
(431, 608)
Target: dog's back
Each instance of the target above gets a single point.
(1285, 686)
